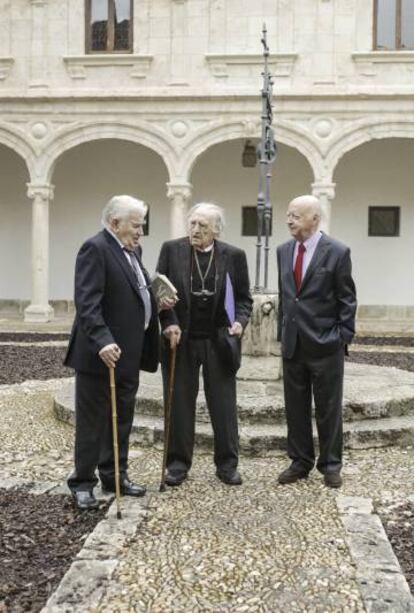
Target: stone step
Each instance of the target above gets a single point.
(378, 408)
(370, 392)
(255, 439)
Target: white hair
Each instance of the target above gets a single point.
(310, 203)
(213, 212)
(120, 207)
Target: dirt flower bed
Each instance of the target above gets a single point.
(18, 364)
(39, 537)
(398, 521)
(405, 361)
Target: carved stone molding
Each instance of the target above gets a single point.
(77, 65)
(6, 64)
(40, 191)
(179, 190)
(280, 64)
(326, 190)
(367, 62)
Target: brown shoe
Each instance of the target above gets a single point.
(332, 479)
(290, 475)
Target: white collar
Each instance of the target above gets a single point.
(207, 249)
(115, 237)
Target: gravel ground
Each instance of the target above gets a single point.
(39, 537)
(204, 546)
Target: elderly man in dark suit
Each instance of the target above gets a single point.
(316, 321)
(213, 289)
(116, 325)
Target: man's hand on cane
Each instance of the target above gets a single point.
(110, 354)
(173, 334)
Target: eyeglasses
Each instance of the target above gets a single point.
(205, 293)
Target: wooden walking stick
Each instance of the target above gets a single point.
(115, 442)
(167, 412)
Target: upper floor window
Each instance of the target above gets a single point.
(109, 26)
(394, 24)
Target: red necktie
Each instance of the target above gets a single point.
(299, 265)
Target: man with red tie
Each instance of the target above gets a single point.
(316, 321)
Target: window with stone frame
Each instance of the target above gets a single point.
(393, 24)
(383, 221)
(249, 221)
(108, 26)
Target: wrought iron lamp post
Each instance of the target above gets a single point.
(267, 155)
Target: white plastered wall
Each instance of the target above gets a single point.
(379, 173)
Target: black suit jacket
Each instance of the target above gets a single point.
(322, 312)
(109, 309)
(175, 263)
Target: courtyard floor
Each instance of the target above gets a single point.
(205, 546)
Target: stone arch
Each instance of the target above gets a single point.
(147, 136)
(359, 134)
(286, 133)
(21, 147)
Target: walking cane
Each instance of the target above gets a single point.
(167, 412)
(115, 442)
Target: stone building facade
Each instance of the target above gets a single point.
(168, 117)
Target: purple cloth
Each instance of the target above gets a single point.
(229, 305)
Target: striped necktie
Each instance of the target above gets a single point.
(139, 276)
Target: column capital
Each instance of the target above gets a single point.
(44, 191)
(326, 189)
(180, 190)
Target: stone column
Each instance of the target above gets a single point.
(325, 192)
(179, 195)
(40, 310)
(38, 77)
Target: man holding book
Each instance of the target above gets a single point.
(207, 322)
(116, 326)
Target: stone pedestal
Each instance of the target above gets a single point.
(259, 339)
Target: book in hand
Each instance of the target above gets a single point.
(162, 287)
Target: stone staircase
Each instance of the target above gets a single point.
(378, 408)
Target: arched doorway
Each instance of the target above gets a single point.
(377, 174)
(218, 176)
(85, 177)
(15, 228)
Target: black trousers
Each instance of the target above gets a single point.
(220, 393)
(93, 430)
(304, 376)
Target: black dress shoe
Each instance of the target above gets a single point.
(175, 478)
(290, 475)
(127, 487)
(85, 500)
(230, 478)
(333, 479)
